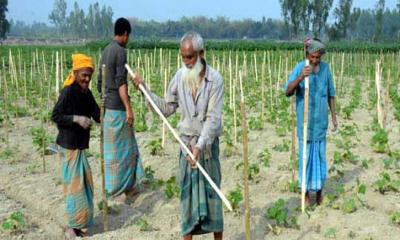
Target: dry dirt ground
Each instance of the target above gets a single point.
(38, 196)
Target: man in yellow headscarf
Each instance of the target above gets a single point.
(72, 114)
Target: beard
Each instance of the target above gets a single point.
(191, 76)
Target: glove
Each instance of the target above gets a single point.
(82, 121)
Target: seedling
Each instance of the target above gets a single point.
(14, 223)
(235, 197)
(171, 188)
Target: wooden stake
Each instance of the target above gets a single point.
(103, 183)
(378, 74)
(293, 151)
(305, 137)
(245, 160)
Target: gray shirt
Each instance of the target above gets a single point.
(200, 118)
(114, 57)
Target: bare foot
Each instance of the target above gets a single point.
(308, 201)
(70, 234)
(120, 199)
(320, 198)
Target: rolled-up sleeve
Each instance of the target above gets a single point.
(213, 123)
(169, 104)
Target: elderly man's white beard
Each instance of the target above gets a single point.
(191, 76)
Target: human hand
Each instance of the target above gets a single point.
(82, 121)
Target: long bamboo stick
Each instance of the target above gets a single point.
(103, 183)
(245, 160)
(183, 145)
(305, 137)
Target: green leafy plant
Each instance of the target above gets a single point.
(385, 184)
(348, 206)
(330, 233)
(380, 140)
(283, 147)
(255, 123)
(395, 217)
(14, 223)
(143, 225)
(41, 139)
(155, 147)
(265, 157)
(171, 188)
(235, 197)
(279, 213)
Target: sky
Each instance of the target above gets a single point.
(162, 10)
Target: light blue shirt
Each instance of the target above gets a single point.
(321, 88)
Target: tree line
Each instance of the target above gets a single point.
(300, 18)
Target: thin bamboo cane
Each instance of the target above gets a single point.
(305, 138)
(245, 160)
(102, 112)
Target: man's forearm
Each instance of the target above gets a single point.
(331, 103)
(123, 94)
(293, 85)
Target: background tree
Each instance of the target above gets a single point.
(291, 12)
(76, 22)
(4, 24)
(58, 16)
(320, 13)
(342, 14)
(379, 8)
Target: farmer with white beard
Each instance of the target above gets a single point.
(198, 90)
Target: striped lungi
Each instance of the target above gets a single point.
(123, 166)
(316, 165)
(201, 207)
(78, 188)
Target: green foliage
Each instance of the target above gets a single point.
(255, 123)
(395, 218)
(155, 147)
(265, 157)
(41, 139)
(14, 223)
(380, 140)
(143, 225)
(235, 197)
(330, 233)
(278, 212)
(283, 147)
(348, 206)
(171, 188)
(6, 153)
(254, 171)
(385, 184)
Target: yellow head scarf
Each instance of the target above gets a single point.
(78, 61)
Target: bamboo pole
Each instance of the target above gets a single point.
(183, 145)
(386, 100)
(245, 160)
(230, 80)
(5, 93)
(263, 87)
(305, 137)
(378, 74)
(270, 81)
(165, 95)
(234, 98)
(25, 88)
(57, 75)
(102, 112)
(293, 150)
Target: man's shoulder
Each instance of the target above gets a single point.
(114, 47)
(213, 75)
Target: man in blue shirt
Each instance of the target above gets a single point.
(321, 94)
